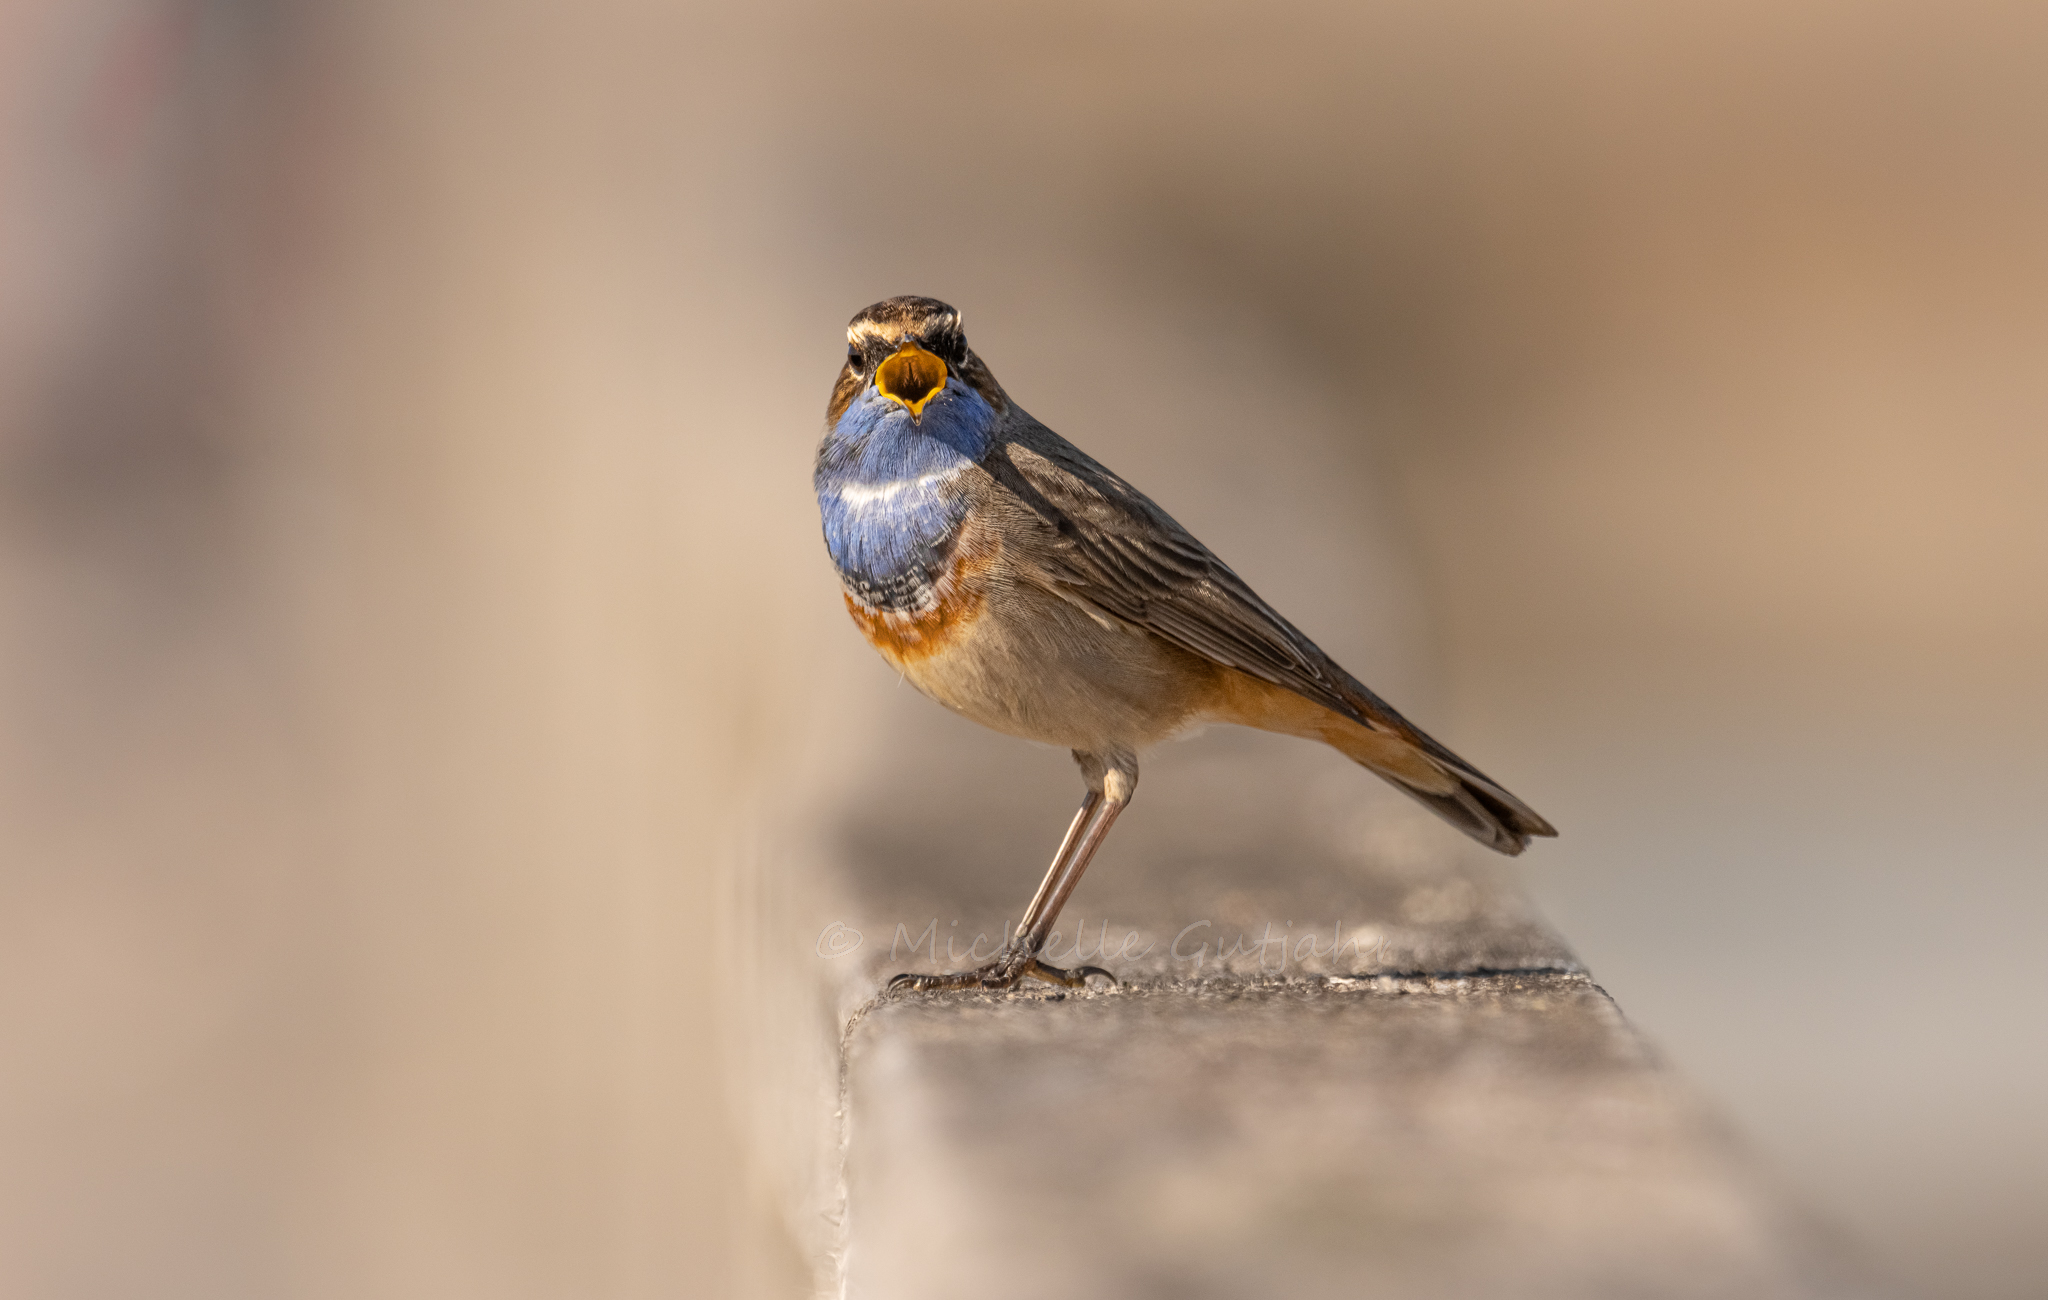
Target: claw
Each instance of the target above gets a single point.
(1077, 978)
(1003, 973)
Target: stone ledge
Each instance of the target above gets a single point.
(1392, 1136)
(1422, 1094)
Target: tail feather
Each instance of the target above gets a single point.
(1441, 782)
(1484, 811)
(1372, 735)
(1477, 805)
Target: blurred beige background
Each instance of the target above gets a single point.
(410, 596)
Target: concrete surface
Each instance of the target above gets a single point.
(1499, 1135)
(1346, 1057)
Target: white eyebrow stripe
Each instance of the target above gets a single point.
(868, 494)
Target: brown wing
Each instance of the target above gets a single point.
(1107, 544)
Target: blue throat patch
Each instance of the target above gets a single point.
(890, 494)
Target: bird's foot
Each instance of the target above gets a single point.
(1010, 966)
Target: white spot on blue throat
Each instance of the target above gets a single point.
(881, 496)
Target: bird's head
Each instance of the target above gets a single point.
(906, 349)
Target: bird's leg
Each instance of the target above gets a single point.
(1110, 782)
(1059, 884)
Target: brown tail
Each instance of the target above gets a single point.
(1473, 802)
(1396, 749)
(1484, 811)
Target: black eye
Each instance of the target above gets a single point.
(853, 356)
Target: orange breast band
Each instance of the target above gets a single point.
(906, 639)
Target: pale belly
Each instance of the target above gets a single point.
(1029, 664)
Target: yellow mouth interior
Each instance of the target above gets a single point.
(913, 377)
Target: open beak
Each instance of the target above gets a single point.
(913, 377)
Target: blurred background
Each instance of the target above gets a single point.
(410, 591)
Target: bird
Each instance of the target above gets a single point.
(1018, 582)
